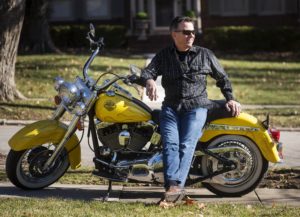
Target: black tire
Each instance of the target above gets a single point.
(33, 179)
(248, 174)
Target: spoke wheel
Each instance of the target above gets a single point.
(250, 167)
(25, 168)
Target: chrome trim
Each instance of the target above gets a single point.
(60, 146)
(124, 138)
(153, 168)
(220, 150)
(230, 127)
(101, 125)
(110, 93)
(155, 138)
(59, 112)
(120, 90)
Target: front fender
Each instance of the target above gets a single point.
(46, 131)
(244, 125)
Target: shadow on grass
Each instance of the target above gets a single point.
(27, 106)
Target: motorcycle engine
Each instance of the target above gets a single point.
(120, 136)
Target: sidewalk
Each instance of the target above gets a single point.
(150, 194)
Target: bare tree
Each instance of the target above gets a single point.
(11, 20)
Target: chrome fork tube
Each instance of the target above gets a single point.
(71, 130)
(58, 113)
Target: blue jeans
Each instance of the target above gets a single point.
(180, 133)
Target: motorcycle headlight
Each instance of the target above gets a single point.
(57, 82)
(69, 93)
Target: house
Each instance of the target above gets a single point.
(209, 13)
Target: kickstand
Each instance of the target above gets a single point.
(108, 191)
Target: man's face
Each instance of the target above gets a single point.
(184, 36)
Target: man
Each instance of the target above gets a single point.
(184, 68)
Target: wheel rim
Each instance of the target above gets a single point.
(30, 171)
(244, 160)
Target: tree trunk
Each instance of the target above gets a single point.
(35, 37)
(11, 19)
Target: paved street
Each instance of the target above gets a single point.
(290, 140)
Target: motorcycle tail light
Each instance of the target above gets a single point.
(275, 134)
(57, 100)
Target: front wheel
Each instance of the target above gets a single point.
(251, 167)
(25, 168)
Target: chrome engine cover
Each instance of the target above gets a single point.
(144, 170)
(119, 136)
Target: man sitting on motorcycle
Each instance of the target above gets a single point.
(184, 67)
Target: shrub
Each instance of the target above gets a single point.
(245, 38)
(141, 15)
(74, 36)
(190, 13)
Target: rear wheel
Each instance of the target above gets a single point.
(251, 167)
(25, 168)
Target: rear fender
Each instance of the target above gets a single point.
(43, 132)
(244, 125)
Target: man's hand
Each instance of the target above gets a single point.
(234, 107)
(151, 89)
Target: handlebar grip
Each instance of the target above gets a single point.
(136, 80)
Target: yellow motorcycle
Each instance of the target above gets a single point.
(231, 157)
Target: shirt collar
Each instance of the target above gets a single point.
(193, 48)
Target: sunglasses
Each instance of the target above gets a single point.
(187, 32)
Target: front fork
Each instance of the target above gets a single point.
(71, 129)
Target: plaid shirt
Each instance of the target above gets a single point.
(185, 81)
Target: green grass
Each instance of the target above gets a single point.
(262, 82)
(53, 207)
(257, 79)
(288, 117)
(35, 74)
(254, 81)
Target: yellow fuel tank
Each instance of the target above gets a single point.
(117, 108)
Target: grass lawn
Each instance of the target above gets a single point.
(66, 207)
(52, 207)
(256, 79)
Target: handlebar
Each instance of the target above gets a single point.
(103, 87)
(88, 63)
(126, 79)
(99, 44)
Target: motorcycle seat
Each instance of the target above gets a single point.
(217, 111)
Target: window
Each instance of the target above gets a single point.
(229, 7)
(61, 10)
(271, 7)
(259, 7)
(98, 9)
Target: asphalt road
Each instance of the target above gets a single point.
(290, 140)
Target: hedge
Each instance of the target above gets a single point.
(74, 36)
(245, 38)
